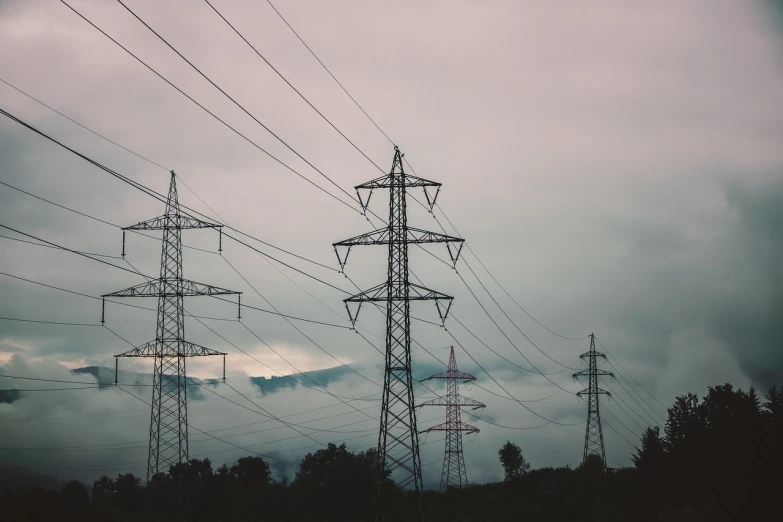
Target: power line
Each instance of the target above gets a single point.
(47, 246)
(501, 355)
(501, 386)
(264, 364)
(230, 98)
(496, 304)
(479, 418)
(296, 327)
(634, 379)
(617, 432)
(45, 322)
(212, 436)
(207, 110)
(406, 161)
(506, 336)
(157, 196)
(290, 85)
(135, 271)
(503, 288)
(330, 73)
(655, 423)
(391, 141)
(56, 389)
(512, 321)
(151, 162)
(61, 381)
(83, 126)
(615, 396)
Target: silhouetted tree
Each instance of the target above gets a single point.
(128, 493)
(341, 484)
(103, 489)
(512, 460)
(592, 465)
(75, 494)
(650, 456)
(251, 472)
(718, 458)
(773, 407)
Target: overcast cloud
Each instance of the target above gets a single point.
(618, 168)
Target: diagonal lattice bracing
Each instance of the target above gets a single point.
(594, 437)
(398, 442)
(454, 474)
(168, 438)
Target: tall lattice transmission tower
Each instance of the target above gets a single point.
(454, 473)
(398, 439)
(594, 437)
(168, 443)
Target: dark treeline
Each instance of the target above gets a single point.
(718, 459)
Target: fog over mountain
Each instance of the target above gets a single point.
(618, 169)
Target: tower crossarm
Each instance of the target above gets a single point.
(457, 375)
(454, 426)
(598, 391)
(461, 401)
(172, 221)
(414, 235)
(389, 180)
(185, 349)
(396, 181)
(587, 355)
(380, 293)
(163, 287)
(590, 372)
(384, 236)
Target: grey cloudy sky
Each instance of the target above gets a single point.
(617, 167)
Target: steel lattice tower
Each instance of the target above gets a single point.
(169, 416)
(594, 437)
(454, 474)
(398, 442)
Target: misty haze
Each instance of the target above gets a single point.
(401, 261)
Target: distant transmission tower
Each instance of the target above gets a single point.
(169, 417)
(454, 474)
(594, 437)
(398, 441)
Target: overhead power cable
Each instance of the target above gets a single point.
(491, 423)
(614, 430)
(46, 322)
(291, 169)
(291, 85)
(634, 379)
(92, 217)
(82, 126)
(391, 141)
(330, 72)
(48, 246)
(504, 289)
(330, 180)
(159, 197)
(55, 389)
(310, 50)
(152, 163)
(267, 456)
(264, 364)
(654, 422)
(616, 397)
(296, 327)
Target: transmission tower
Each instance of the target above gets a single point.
(169, 417)
(594, 437)
(398, 442)
(454, 474)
